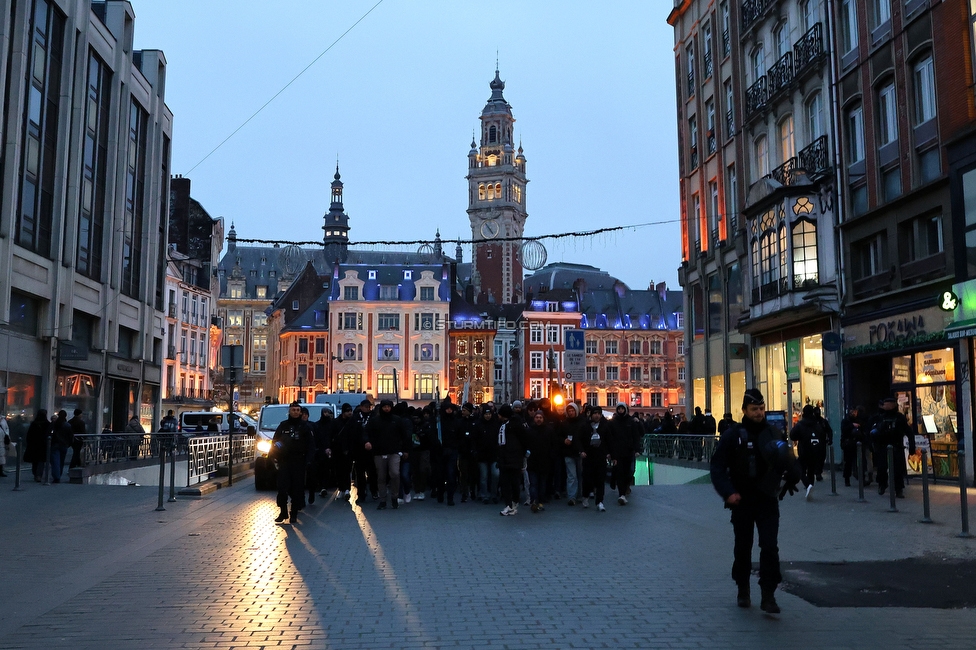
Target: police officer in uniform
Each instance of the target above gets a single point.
(749, 463)
(292, 449)
(891, 428)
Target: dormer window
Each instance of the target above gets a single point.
(372, 275)
(408, 275)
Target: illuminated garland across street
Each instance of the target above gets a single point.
(415, 242)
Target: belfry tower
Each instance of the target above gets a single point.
(336, 239)
(496, 203)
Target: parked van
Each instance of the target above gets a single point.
(198, 421)
(265, 474)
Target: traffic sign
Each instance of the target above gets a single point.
(574, 358)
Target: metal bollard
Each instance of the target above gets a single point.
(963, 494)
(230, 456)
(833, 473)
(20, 452)
(891, 479)
(926, 518)
(172, 471)
(47, 463)
(162, 477)
(860, 474)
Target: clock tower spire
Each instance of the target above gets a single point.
(496, 203)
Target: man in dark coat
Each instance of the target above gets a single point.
(811, 442)
(387, 440)
(320, 472)
(891, 428)
(595, 441)
(292, 450)
(345, 437)
(851, 433)
(624, 437)
(749, 463)
(511, 454)
(451, 434)
(568, 445)
(78, 428)
(486, 453)
(539, 438)
(61, 440)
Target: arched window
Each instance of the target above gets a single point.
(492, 134)
(491, 192)
(498, 190)
(784, 271)
(758, 62)
(804, 253)
(768, 254)
(481, 191)
(814, 109)
(756, 265)
(787, 145)
(887, 114)
(761, 157)
(781, 38)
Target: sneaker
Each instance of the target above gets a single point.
(395, 503)
(506, 511)
(527, 502)
(809, 490)
(571, 502)
(400, 501)
(311, 497)
(514, 510)
(419, 497)
(586, 502)
(534, 507)
(406, 497)
(742, 599)
(622, 500)
(381, 506)
(345, 495)
(600, 507)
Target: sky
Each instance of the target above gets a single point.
(395, 100)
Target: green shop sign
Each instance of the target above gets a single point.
(793, 360)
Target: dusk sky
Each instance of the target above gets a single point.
(591, 86)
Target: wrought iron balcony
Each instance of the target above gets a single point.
(814, 158)
(726, 43)
(784, 174)
(753, 10)
(757, 95)
(691, 82)
(694, 157)
(708, 66)
(711, 142)
(780, 74)
(809, 49)
(730, 123)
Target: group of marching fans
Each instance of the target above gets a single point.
(509, 454)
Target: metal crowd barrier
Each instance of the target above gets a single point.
(208, 453)
(684, 446)
(102, 448)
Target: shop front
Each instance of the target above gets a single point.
(790, 374)
(132, 390)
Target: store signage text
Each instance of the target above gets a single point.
(897, 329)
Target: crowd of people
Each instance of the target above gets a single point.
(511, 454)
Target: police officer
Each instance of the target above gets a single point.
(292, 449)
(891, 428)
(747, 467)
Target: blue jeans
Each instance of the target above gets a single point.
(57, 462)
(487, 480)
(572, 477)
(406, 484)
(537, 486)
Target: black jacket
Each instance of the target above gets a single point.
(539, 440)
(624, 438)
(511, 444)
(810, 437)
(292, 444)
(345, 435)
(486, 439)
(570, 429)
(596, 442)
(386, 434)
(748, 460)
(891, 428)
(851, 432)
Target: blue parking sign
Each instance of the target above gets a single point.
(574, 340)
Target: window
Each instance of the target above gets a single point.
(426, 352)
(259, 363)
(855, 135)
(423, 322)
(388, 322)
(408, 275)
(808, 14)
(91, 218)
(610, 347)
(681, 347)
(135, 199)
(848, 25)
(478, 347)
(762, 157)
(389, 292)
(787, 145)
(294, 305)
(656, 347)
(235, 318)
(868, 257)
(303, 345)
(891, 183)
(552, 334)
(882, 11)
(592, 373)
(758, 63)
(636, 398)
(924, 80)
(259, 341)
(681, 373)
(923, 237)
(319, 345)
(715, 310)
(729, 114)
(349, 382)
(351, 352)
(635, 347)
(351, 321)
(613, 373)
(781, 37)
(481, 191)
(478, 372)
(690, 64)
(693, 140)
(612, 398)
(707, 50)
(535, 360)
(552, 306)
(730, 192)
(462, 347)
(499, 374)
(369, 274)
(804, 253)
(635, 373)
(590, 346)
(887, 115)
(535, 334)
(384, 384)
(655, 373)
(726, 33)
(535, 389)
(552, 360)
(710, 125)
(656, 400)
(713, 208)
(592, 398)
(237, 292)
(261, 292)
(350, 293)
(426, 293)
(388, 352)
(930, 164)
(814, 109)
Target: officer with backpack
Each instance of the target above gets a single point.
(751, 469)
(891, 428)
(811, 441)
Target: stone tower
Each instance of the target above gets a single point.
(336, 239)
(496, 203)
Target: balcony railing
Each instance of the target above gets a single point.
(780, 74)
(172, 310)
(726, 43)
(711, 142)
(753, 10)
(708, 66)
(730, 123)
(814, 158)
(691, 82)
(809, 49)
(756, 96)
(784, 174)
(171, 352)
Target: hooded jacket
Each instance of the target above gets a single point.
(385, 432)
(570, 429)
(486, 439)
(625, 435)
(540, 439)
(511, 444)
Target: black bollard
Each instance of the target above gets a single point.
(20, 452)
(172, 471)
(860, 474)
(833, 474)
(162, 477)
(926, 519)
(47, 463)
(230, 456)
(963, 494)
(891, 480)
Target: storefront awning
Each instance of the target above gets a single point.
(961, 329)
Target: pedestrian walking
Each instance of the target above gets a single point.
(292, 449)
(624, 442)
(35, 451)
(386, 439)
(4, 440)
(811, 446)
(511, 455)
(61, 439)
(851, 433)
(595, 454)
(569, 447)
(750, 462)
(891, 428)
(78, 428)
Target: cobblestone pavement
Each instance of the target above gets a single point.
(97, 567)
